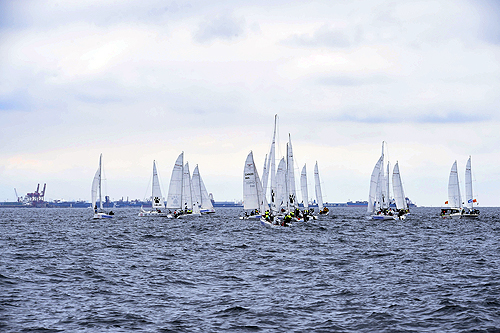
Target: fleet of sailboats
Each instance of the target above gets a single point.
(188, 196)
(282, 207)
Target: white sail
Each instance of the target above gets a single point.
(303, 187)
(281, 196)
(195, 181)
(263, 205)
(388, 196)
(265, 174)
(195, 206)
(201, 194)
(250, 198)
(157, 200)
(317, 187)
(96, 186)
(379, 202)
(374, 184)
(187, 199)
(290, 183)
(469, 199)
(174, 197)
(454, 199)
(253, 194)
(397, 187)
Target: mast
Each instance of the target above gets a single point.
(287, 180)
(272, 170)
(265, 174)
(100, 180)
(383, 199)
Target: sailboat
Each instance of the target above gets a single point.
(317, 188)
(469, 210)
(378, 203)
(201, 197)
(306, 215)
(96, 191)
(454, 209)
(158, 206)
(180, 191)
(254, 200)
(174, 196)
(399, 195)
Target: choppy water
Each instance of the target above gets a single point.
(62, 271)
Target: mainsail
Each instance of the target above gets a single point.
(303, 187)
(454, 199)
(399, 195)
(317, 187)
(174, 197)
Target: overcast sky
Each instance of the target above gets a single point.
(145, 80)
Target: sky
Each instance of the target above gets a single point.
(143, 81)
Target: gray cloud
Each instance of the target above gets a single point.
(401, 116)
(352, 80)
(16, 101)
(222, 27)
(323, 37)
(490, 23)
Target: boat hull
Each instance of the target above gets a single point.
(102, 216)
(154, 214)
(250, 217)
(383, 217)
(470, 216)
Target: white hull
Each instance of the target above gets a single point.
(470, 216)
(102, 216)
(251, 217)
(383, 217)
(454, 213)
(452, 216)
(154, 213)
(460, 216)
(266, 223)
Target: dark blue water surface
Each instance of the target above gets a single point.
(61, 271)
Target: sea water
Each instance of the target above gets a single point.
(61, 271)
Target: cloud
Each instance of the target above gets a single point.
(322, 37)
(383, 116)
(489, 11)
(223, 27)
(352, 80)
(207, 77)
(15, 101)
